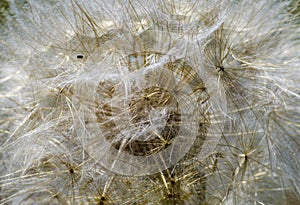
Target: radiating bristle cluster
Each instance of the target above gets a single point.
(150, 102)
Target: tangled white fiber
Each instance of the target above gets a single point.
(150, 102)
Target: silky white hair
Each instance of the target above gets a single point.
(150, 102)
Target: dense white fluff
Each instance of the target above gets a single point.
(150, 102)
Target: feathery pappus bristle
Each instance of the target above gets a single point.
(190, 102)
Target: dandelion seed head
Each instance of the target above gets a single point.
(138, 102)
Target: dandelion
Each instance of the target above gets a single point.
(138, 102)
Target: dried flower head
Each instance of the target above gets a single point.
(150, 102)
